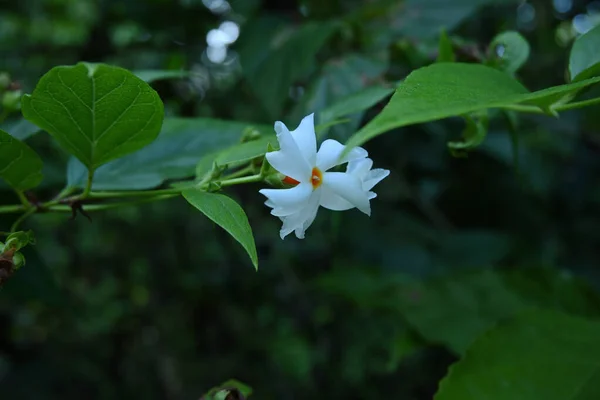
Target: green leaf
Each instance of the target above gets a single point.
(18, 240)
(96, 112)
(20, 166)
(426, 18)
(228, 215)
(236, 154)
(450, 89)
(271, 79)
(354, 103)
(339, 81)
(510, 50)
(454, 310)
(173, 155)
(151, 75)
(445, 50)
(537, 355)
(473, 135)
(584, 61)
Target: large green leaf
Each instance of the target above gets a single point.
(454, 310)
(20, 166)
(289, 60)
(537, 355)
(450, 89)
(96, 112)
(173, 155)
(227, 214)
(584, 61)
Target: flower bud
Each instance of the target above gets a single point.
(276, 180)
(249, 134)
(18, 260)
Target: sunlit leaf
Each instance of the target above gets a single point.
(96, 112)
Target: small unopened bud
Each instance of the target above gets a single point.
(276, 180)
(18, 260)
(250, 134)
(213, 187)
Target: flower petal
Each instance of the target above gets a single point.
(306, 138)
(328, 155)
(359, 168)
(349, 188)
(290, 161)
(333, 201)
(301, 220)
(287, 201)
(374, 177)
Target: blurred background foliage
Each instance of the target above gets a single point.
(156, 302)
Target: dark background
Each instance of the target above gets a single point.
(155, 302)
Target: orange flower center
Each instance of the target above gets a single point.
(317, 178)
(290, 181)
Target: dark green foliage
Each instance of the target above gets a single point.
(157, 302)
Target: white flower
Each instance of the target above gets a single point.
(303, 166)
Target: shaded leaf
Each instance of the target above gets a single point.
(20, 166)
(426, 18)
(271, 79)
(454, 310)
(173, 155)
(96, 112)
(584, 61)
(20, 128)
(339, 81)
(355, 103)
(226, 213)
(537, 355)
